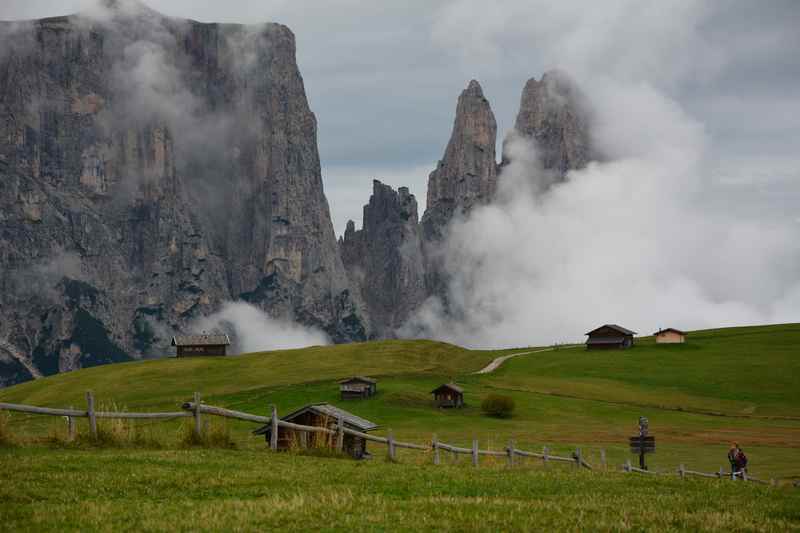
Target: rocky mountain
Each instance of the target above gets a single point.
(554, 115)
(467, 174)
(398, 264)
(150, 169)
(385, 258)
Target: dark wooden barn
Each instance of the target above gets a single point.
(321, 415)
(448, 395)
(358, 387)
(609, 337)
(201, 345)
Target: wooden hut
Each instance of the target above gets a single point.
(448, 395)
(357, 387)
(321, 415)
(202, 345)
(609, 336)
(670, 336)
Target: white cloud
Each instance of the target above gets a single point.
(253, 330)
(649, 237)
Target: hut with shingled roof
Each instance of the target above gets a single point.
(609, 337)
(357, 388)
(205, 344)
(320, 415)
(670, 336)
(448, 395)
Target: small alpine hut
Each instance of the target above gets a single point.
(670, 336)
(201, 345)
(320, 415)
(448, 395)
(609, 337)
(358, 387)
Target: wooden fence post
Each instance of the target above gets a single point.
(71, 426)
(721, 473)
(340, 435)
(90, 413)
(511, 453)
(682, 471)
(603, 458)
(273, 437)
(627, 467)
(435, 445)
(744, 475)
(577, 458)
(474, 452)
(198, 423)
(390, 439)
(544, 455)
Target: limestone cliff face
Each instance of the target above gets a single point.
(398, 264)
(150, 169)
(465, 177)
(467, 174)
(385, 258)
(553, 114)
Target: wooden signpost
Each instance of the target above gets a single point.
(643, 443)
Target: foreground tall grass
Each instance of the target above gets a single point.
(209, 489)
(6, 438)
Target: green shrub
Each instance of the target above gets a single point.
(498, 406)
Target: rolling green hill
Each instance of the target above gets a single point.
(166, 382)
(729, 384)
(723, 385)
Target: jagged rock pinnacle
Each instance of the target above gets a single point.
(385, 259)
(554, 114)
(468, 172)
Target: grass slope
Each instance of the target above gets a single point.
(739, 371)
(214, 490)
(167, 382)
(564, 398)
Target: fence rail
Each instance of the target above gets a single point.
(195, 409)
(683, 472)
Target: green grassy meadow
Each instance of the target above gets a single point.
(729, 384)
(216, 490)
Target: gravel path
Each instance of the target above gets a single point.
(495, 364)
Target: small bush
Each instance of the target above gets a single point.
(498, 406)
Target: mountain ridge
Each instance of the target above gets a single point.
(154, 168)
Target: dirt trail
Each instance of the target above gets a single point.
(495, 364)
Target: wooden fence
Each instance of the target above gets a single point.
(683, 472)
(196, 409)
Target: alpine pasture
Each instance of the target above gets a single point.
(734, 384)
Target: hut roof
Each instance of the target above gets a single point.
(620, 329)
(358, 378)
(216, 339)
(449, 386)
(325, 409)
(665, 330)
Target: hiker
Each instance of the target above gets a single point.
(737, 458)
(733, 452)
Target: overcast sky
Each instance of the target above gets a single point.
(383, 78)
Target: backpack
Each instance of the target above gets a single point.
(741, 459)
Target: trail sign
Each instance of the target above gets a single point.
(642, 443)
